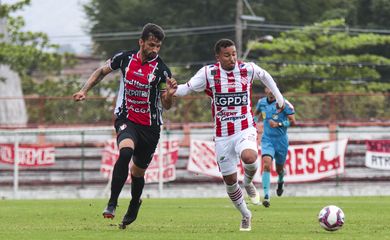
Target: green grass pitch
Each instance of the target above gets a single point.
(213, 218)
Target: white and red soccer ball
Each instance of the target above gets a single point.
(331, 218)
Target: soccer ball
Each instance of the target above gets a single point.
(331, 218)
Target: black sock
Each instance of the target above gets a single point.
(137, 185)
(120, 173)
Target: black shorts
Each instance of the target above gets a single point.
(145, 140)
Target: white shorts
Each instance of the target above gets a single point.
(228, 149)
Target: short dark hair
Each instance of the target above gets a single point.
(222, 43)
(153, 30)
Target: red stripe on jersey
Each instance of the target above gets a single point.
(231, 88)
(244, 109)
(217, 85)
(138, 112)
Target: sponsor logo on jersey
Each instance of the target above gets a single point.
(137, 101)
(136, 83)
(138, 73)
(123, 127)
(136, 93)
(231, 99)
(151, 77)
(229, 116)
(138, 109)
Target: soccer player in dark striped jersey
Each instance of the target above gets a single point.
(144, 90)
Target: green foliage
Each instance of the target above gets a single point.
(5, 9)
(320, 58)
(118, 16)
(26, 52)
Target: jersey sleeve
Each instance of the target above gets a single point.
(198, 82)
(116, 60)
(269, 82)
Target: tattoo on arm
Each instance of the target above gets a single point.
(95, 78)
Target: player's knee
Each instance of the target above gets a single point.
(230, 179)
(267, 168)
(249, 156)
(267, 164)
(137, 171)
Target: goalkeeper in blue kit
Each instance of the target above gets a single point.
(274, 141)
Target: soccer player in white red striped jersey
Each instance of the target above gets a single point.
(229, 83)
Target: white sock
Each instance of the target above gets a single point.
(250, 171)
(235, 194)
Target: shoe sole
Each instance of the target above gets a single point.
(245, 229)
(108, 215)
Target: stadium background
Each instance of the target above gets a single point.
(78, 131)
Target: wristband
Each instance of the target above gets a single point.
(285, 123)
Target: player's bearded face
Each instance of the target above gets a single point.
(227, 57)
(150, 48)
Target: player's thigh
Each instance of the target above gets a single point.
(267, 148)
(126, 133)
(281, 151)
(246, 140)
(146, 146)
(227, 158)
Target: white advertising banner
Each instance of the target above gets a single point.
(304, 163)
(378, 154)
(28, 155)
(170, 150)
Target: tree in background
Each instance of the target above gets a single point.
(26, 52)
(324, 57)
(122, 22)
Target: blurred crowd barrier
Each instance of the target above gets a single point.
(339, 138)
(310, 109)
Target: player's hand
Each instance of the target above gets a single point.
(273, 124)
(279, 109)
(171, 86)
(79, 96)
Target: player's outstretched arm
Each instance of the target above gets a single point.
(167, 96)
(183, 90)
(269, 82)
(94, 79)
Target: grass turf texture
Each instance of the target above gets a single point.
(214, 218)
